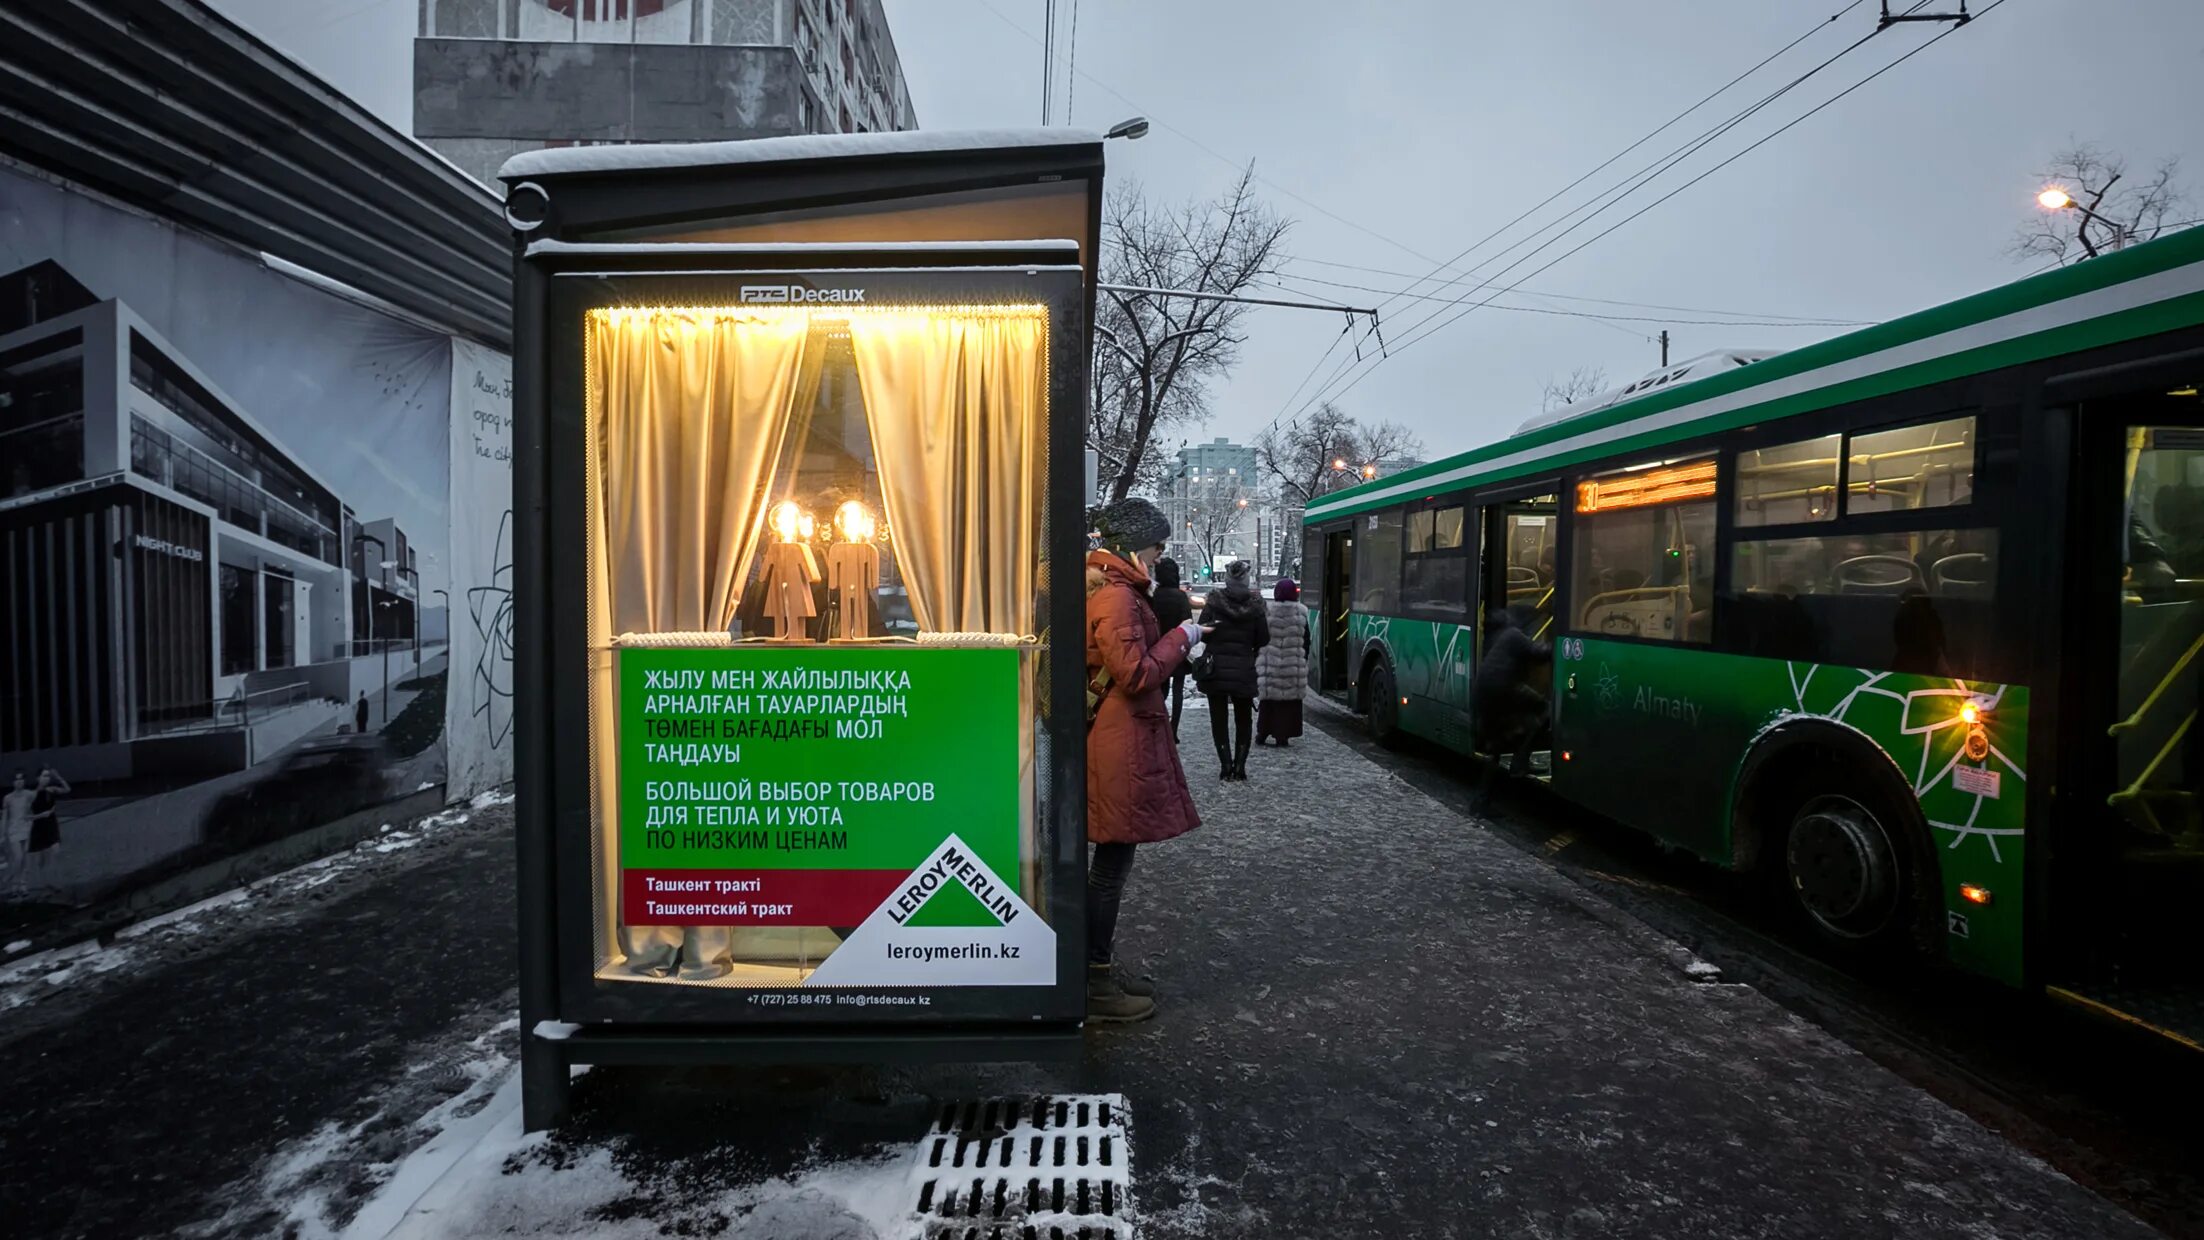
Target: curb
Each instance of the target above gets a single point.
(431, 1177)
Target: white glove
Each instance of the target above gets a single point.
(1192, 631)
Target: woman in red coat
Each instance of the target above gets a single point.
(1136, 790)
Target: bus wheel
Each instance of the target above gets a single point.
(1384, 717)
(1845, 868)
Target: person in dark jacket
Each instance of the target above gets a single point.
(359, 714)
(1239, 624)
(1173, 608)
(1508, 697)
(1136, 790)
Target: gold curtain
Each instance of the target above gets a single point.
(956, 403)
(690, 410)
(954, 400)
(688, 413)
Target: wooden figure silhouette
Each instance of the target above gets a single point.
(853, 570)
(790, 572)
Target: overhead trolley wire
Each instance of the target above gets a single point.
(1614, 194)
(1609, 162)
(1815, 319)
(1428, 332)
(1603, 165)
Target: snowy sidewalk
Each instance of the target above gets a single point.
(1377, 1020)
(158, 1080)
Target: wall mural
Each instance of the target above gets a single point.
(481, 716)
(225, 501)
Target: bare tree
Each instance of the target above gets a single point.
(1155, 356)
(1299, 454)
(1217, 516)
(1583, 382)
(2121, 209)
(1323, 451)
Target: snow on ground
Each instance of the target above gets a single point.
(516, 1185)
(321, 1186)
(484, 1177)
(38, 978)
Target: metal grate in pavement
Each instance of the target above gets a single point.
(1047, 1168)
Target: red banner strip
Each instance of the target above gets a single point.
(753, 897)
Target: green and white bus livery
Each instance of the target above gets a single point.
(1910, 620)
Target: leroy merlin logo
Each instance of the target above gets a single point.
(797, 294)
(929, 898)
(952, 922)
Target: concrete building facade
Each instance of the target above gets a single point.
(167, 561)
(493, 78)
(1214, 504)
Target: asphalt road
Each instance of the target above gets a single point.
(2112, 1108)
(147, 1082)
(1379, 1019)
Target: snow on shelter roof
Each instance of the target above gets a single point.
(646, 156)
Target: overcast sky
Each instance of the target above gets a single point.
(1424, 125)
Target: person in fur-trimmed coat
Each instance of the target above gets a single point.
(1136, 789)
(1282, 667)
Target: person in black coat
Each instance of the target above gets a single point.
(1240, 623)
(1508, 710)
(1173, 608)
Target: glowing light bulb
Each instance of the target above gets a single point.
(2054, 198)
(788, 520)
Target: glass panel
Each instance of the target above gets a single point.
(40, 393)
(2153, 729)
(1419, 531)
(1436, 587)
(813, 620)
(1647, 572)
(1913, 602)
(1377, 562)
(1447, 531)
(239, 634)
(1927, 466)
(46, 455)
(547, 21)
(1789, 483)
(276, 619)
(669, 23)
(1530, 533)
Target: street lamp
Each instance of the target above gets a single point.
(2055, 198)
(447, 624)
(387, 565)
(1130, 129)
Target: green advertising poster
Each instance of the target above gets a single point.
(873, 790)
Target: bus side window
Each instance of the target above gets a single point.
(1377, 562)
(1918, 601)
(1644, 553)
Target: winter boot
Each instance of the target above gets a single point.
(1111, 1004)
(1138, 987)
(1224, 760)
(1239, 762)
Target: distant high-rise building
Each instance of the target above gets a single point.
(493, 78)
(1213, 504)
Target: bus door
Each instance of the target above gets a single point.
(2127, 884)
(1337, 601)
(1521, 574)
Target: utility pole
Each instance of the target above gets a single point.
(1664, 346)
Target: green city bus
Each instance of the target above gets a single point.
(1909, 620)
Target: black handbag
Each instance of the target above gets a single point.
(1203, 666)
